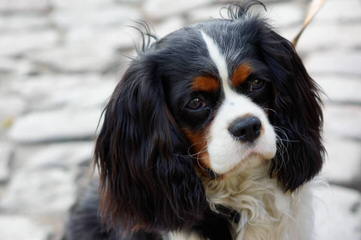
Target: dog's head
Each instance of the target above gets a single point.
(213, 97)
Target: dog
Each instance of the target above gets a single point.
(213, 132)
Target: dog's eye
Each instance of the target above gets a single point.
(256, 84)
(196, 103)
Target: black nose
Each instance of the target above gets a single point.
(246, 129)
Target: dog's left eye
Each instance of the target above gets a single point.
(256, 84)
(196, 103)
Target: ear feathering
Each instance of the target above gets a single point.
(297, 115)
(148, 181)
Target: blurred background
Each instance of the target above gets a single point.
(60, 60)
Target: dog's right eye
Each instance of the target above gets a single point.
(196, 103)
(256, 85)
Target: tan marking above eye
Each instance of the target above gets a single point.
(240, 74)
(205, 83)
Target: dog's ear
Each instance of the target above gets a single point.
(147, 178)
(297, 115)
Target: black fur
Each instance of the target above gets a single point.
(85, 222)
(296, 115)
(147, 178)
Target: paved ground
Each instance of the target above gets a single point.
(60, 59)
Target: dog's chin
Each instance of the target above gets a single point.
(252, 159)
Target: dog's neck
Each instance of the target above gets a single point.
(263, 207)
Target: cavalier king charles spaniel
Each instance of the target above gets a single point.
(213, 133)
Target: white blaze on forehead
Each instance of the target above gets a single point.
(217, 58)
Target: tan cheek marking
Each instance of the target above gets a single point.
(199, 144)
(205, 83)
(241, 74)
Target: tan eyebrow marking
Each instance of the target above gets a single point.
(205, 83)
(241, 74)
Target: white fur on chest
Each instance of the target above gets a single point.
(267, 213)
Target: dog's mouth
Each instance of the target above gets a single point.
(252, 159)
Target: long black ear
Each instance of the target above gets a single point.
(297, 115)
(147, 179)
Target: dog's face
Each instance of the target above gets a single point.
(220, 94)
(211, 96)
